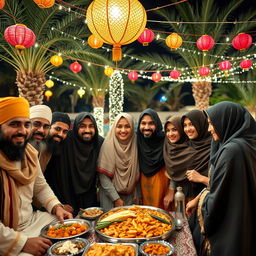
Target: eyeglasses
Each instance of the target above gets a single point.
(38, 125)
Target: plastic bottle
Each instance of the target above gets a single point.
(180, 215)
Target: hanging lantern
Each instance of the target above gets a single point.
(242, 41)
(175, 74)
(133, 75)
(81, 92)
(49, 83)
(108, 71)
(75, 67)
(205, 43)
(173, 41)
(48, 95)
(245, 64)
(94, 42)
(56, 60)
(45, 3)
(2, 2)
(20, 36)
(225, 66)
(156, 77)
(116, 22)
(146, 37)
(204, 71)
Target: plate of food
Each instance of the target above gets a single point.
(158, 247)
(134, 224)
(91, 213)
(69, 229)
(70, 247)
(119, 249)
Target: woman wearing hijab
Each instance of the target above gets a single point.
(226, 211)
(196, 128)
(177, 157)
(118, 165)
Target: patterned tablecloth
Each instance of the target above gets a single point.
(181, 240)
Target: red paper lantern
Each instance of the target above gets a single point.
(225, 66)
(133, 75)
(242, 41)
(174, 41)
(205, 43)
(245, 64)
(175, 74)
(204, 71)
(45, 3)
(20, 36)
(146, 37)
(75, 67)
(156, 77)
(94, 42)
(2, 2)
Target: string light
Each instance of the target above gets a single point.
(98, 114)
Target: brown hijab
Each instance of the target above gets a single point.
(177, 156)
(119, 161)
(11, 178)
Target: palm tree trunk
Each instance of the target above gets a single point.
(31, 86)
(201, 93)
(98, 103)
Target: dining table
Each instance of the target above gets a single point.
(181, 240)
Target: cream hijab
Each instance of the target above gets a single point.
(119, 160)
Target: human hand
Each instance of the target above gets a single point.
(36, 246)
(62, 214)
(68, 208)
(193, 175)
(119, 202)
(191, 206)
(168, 198)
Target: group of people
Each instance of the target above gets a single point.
(211, 154)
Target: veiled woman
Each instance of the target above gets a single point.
(226, 211)
(196, 128)
(177, 157)
(118, 165)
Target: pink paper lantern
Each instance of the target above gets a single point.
(75, 67)
(204, 71)
(133, 75)
(242, 41)
(156, 77)
(245, 64)
(20, 36)
(175, 74)
(205, 43)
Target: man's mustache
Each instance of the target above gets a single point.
(19, 135)
(148, 130)
(57, 136)
(38, 133)
(86, 133)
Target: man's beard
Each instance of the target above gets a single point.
(87, 139)
(13, 152)
(39, 145)
(53, 146)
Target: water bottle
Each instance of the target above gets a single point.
(179, 198)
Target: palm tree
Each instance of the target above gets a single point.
(32, 66)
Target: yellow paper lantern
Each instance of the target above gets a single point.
(108, 71)
(94, 42)
(56, 60)
(45, 3)
(116, 22)
(2, 3)
(173, 41)
(81, 92)
(49, 83)
(48, 94)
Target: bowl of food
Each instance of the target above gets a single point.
(69, 229)
(119, 249)
(134, 224)
(156, 247)
(91, 213)
(70, 247)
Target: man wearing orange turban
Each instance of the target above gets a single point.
(21, 179)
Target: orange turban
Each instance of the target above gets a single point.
(11, 107)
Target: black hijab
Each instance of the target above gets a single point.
(201, 145)
(150, 150)
(229, 210)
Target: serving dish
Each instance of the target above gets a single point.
(90, 216)
(67, 223)
(167, 230)
(112, 249)
(80, 244)
(146, 244)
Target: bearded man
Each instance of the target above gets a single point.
(21, 179)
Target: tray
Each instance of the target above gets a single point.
(80, 213)
(67, 221)
(135, 246)
(110, 239)
(168, 245)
